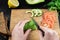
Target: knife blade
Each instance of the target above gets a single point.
(38, 26)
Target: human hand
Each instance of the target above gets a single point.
(18, 32)
(49, 34)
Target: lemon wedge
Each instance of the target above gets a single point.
(13, 3)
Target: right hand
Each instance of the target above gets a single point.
(49, 34)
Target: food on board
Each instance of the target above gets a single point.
(30, 25)
(35, 12)
(48, 19)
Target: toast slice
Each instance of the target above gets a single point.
(2, 24)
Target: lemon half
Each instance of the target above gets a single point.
(13, 3)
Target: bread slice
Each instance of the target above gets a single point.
(2, 24)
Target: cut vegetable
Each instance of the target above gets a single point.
(30, 25)
(34, 1)
(35, 12)
(48, 19)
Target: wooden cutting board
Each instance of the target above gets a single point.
(20, 14)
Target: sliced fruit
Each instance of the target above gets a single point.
(34, 1)
(13, 3)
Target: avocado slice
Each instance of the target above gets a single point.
(34, 1)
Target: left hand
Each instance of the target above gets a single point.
(18, 32)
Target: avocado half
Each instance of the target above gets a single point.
(34, 34)
(30, 25)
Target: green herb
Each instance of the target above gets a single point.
(30, 25)
(54, 5)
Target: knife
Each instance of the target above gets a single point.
(38, 26)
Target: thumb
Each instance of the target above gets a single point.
(27, 33)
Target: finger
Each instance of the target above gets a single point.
(41, 36)
(23, 23)
(43, 28)
(17, 25)
(27, 33)
(52, 35)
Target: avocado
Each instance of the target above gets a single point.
(30, 25)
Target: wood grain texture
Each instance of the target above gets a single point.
(2, 24)
(20, 14)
